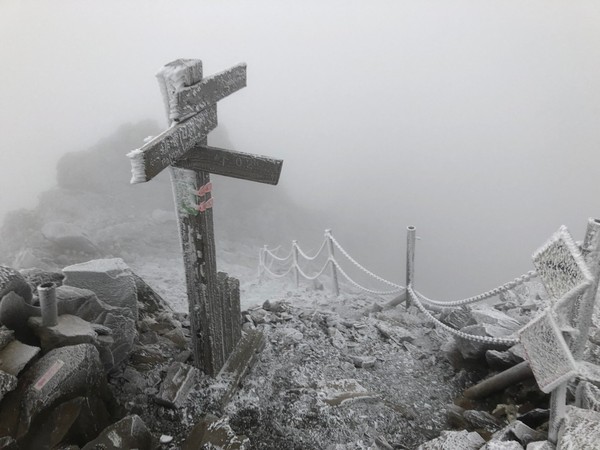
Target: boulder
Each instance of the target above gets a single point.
(176, 386)
(454, 440)
(8, 382)
(70, 238)
(501, 360)
(130, 432)
(518, 431)
(588, 396)
(35, 277)
(110, 279)
(474, 349)
(212, 432)
(457, 318)
(14, 313)
(12, 281)
(580, 429)
(15, 356)
(60, 375)
(482, 419)
(488, 315)
(6, 336)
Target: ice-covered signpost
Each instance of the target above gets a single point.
(191, 103)
(554, 342)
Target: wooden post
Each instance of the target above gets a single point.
(190, 102)
(334, 277)
(411, 234)
(295, 262)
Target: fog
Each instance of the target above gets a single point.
(476, 122)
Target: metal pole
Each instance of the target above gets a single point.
(47, 295)
(334, 277)
(295, 254)
(411, 236)
(581, 319)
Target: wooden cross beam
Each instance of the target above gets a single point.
(190, 102)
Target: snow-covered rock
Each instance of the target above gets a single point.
(454, 440)
(580, 430)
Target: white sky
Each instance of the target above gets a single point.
(478, 122)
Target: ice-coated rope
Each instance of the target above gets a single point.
(365, 270)
(462, 334)
(277, 258)
(316, 255)
(355, 284)
(301, 272)
(278, 275)
(480, 297)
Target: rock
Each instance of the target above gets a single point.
(588, 396)
(35, 277)
(394, 333)
(178, 338)
(86, 305)
(6, 336)
(150, 301)
(8, 383)
(454, 440)
(457, 318)
(128, 433)
(535, 417)
(501, 360)
(580, 429)
(455, 416)
(12, 281)
(484, 314)
(110, 279)
(14, 312)
(482, 419)
(337, 392)
(278, 306)
(76, 421)
(502, 445)
(337, 338)
(365, 362)
(475, 350)
(212, 432)
(541, 445)
(165, 439)
(60, 375)
(15, 356)
(176, 386)
(8, 443)
(69, 237)
(518, 431)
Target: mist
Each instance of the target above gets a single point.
(476, 122)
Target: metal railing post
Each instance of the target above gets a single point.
(334, 277)
(411, 236)
(47, 295)
(295, 254)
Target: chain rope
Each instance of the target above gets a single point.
(357, 264)
(301, 272)
(359, 286)
(277, 258)
(316, 255)
(455, 332)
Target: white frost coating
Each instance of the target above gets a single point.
(148, 139)
(138, 166)
(580, 430)
(114, 437)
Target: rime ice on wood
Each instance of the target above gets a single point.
(190, 102)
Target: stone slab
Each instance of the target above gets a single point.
(110, 279)
(212, 432)
(454, 440)
(8, 383)
(128, 433)
(15, 356)
(580, 429)
(176, 386)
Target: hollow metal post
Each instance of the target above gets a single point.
(580, 317)
(295, 255)
(47, 295)
(334, 277)
(411, 236)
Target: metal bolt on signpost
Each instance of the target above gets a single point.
(296, 271)
(334, 277)
(411, 236)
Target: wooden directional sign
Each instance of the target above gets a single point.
(191, 103)
(232, 164)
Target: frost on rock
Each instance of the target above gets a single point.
(561, 267)
(579, 430)
(547, 352)
(454, 440)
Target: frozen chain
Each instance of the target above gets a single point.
(301, 272)
(310, 258)
(483, 296)
(455, 332)
(277, 258)
(278, 275)
(368, 272)
(355, 284)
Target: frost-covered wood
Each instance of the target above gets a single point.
(156, 155)
(197, 97)
(232, 164)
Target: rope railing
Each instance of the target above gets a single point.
(421, 302)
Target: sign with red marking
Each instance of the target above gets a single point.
(204, 190)
(205, 205)
(49, 374)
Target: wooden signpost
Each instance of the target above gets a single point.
(191, 104)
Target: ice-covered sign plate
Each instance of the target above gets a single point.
(549, 356)
(561, 267)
